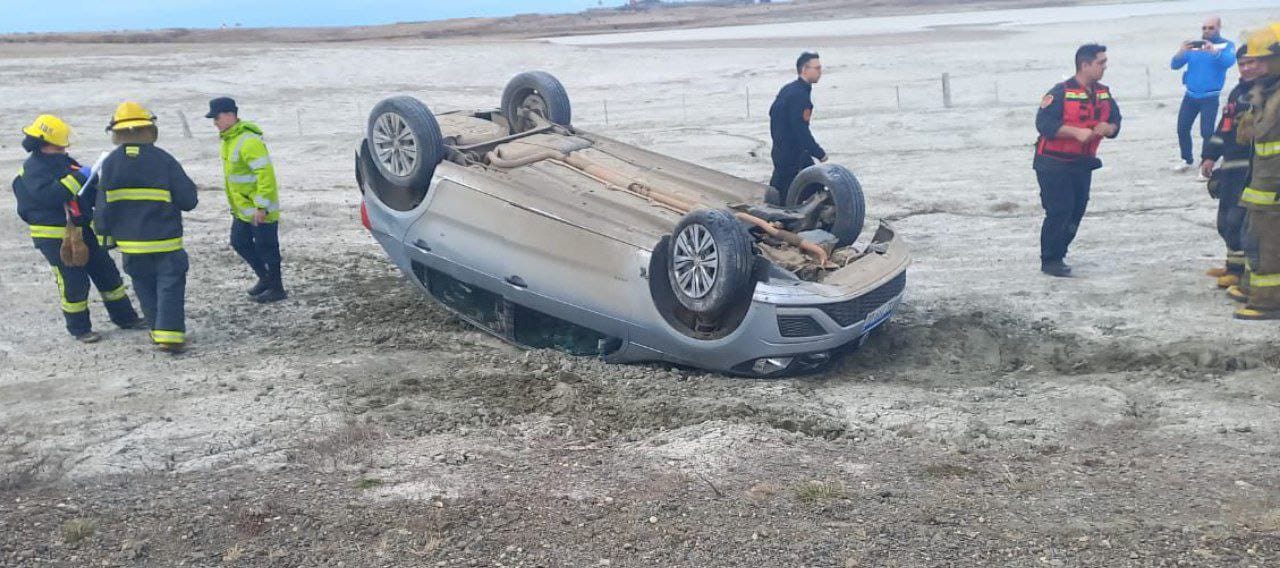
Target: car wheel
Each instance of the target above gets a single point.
(536, 92)
(404, 142)
(710, 262)
(834, 199)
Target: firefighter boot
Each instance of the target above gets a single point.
(1237, 294)
(1256, 314)
(1228, 280)
(172, 348)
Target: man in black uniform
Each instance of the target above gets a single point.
(1228, 180)
(794, 148)
(1075, 115)
(48, 190)
(142, 193)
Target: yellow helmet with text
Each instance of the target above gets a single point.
(51, 129)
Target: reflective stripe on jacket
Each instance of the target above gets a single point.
(46, 185)
(249, 175)
(142, 192)
(1262, 120)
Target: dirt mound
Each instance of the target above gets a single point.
(990, 341)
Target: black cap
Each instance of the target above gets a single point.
(220, 105)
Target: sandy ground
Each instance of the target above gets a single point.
(1004, 418)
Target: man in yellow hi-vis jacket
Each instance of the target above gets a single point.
(253, 197)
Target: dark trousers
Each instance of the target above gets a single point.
(160, 280)
(1207, 110)
(73, 284)
(1064, 194)
(785, 169)
(259, 246)
(1231, 215)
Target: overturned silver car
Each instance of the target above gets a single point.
(552, 237)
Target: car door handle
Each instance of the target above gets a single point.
(421, 244)
(517, 281)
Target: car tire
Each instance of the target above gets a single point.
(709, 288)
(540, 92)
(848, 207)
(404, 142)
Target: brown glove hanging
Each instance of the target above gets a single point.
(74, 252)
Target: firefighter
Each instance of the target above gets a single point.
(794, 148)
(1228, 179)
(1074, 117)
(48, 188)
(142, 192)
(253, 196)
(1260, 125)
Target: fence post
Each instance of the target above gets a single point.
(684, 106)
(606, 112)
(946, 90)
(748, 101)
(897, 95)
(186, 128)
(300, 121)
(1148, 81)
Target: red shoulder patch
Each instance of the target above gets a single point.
(1046, 101)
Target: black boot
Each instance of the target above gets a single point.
(1055, 268)
(275, 287)
(264, 281)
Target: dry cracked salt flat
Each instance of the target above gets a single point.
(1002, 419)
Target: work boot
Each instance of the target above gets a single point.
(1055, 268)
(259, 288)
(264, 281)
(1256, 314)
(271, 295)
(1228, 280)
(275, 287)
(1217, 272)
(1236, 293)
(88, 337)
(172, 348)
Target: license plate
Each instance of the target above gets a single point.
(879, 315)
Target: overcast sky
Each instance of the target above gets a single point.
(92, 15)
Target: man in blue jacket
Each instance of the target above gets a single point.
(1207, 61)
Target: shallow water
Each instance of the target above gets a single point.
(925, 22)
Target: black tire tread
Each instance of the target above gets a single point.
(551, 89)
(845, 191)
